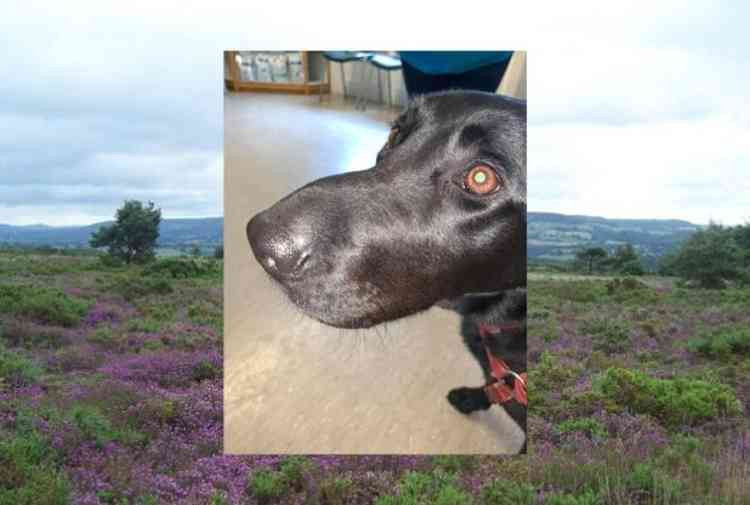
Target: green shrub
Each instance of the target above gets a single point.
(586, 425)
(19, 333)
(505, 492)
(454, 463)
(419, 488)
(205, 370)
(104, 335)
(609, 335)
(219, 498)
(161, 312)
(578, 291)
(684, 453)
(16, 369)
(183, 268)
(109, 261)
(144, 325)
(547, 375)
(674, 402)
(267, 485)
(631, 291)
(94, 426)
(292, 468)
(451, 495)
(723, 342)
(335, 490)
(44, 304)
(207, 314)
(647, 478)
(29, 473)
(586, 498)
(130, 287)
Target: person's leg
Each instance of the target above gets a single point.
(419, 83)
(486, 78)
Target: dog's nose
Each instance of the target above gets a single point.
(281, 253)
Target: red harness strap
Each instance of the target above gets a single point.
(499, 392)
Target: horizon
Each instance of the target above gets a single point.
(111, 219)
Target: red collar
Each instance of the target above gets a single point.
(499, 392)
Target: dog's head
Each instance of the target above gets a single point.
(441, 214)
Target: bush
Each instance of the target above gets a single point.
(631, 291)
(293, 468)
(109, 261)
(504, 492)
(335, 490)
(609, 335)
(206, 370)
(674, 402)
(29, 473)
(454, 463)
(723, 342)
(646, 478)
(206, 314)
(45, 304)
(19, 333)
(94, 426)
(17, 370)
(131, 288)
(182, 268)
(587, 498)
(548, 375)
(417, 488)
(586, 425)
(267, 485)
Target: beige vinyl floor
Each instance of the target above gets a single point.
(293, 385)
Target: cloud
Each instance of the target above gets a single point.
(636, 110)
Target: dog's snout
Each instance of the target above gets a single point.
(282, 254)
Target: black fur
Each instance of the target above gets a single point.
(358, 249)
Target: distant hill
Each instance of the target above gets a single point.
(550, 236)
(173, 233)
(558, 236)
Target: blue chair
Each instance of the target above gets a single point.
(388, 64)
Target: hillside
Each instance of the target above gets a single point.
(172, 233)
(550, 236)
(557, 236)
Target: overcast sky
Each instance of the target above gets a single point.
(641, 112)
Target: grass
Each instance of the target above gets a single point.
(639, 390)
(47, 305)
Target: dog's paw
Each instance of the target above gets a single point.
(468, 400)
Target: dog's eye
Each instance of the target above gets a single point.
(481, 180)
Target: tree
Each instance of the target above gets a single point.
(591, 255)
(625, 260)
(195, 251)
(710, 257)
(132, 238)
(219, 252)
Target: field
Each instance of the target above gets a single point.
(639, 390)
(111, 393)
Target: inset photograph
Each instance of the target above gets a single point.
(375, 252)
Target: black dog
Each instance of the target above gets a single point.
(438, 219)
